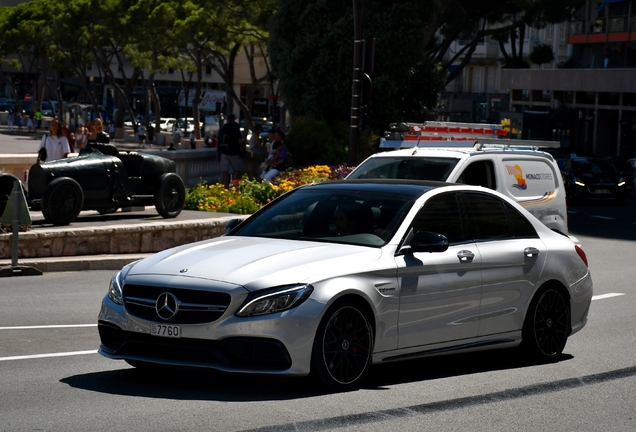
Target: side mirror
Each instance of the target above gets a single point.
(231, 224)
(426, 241)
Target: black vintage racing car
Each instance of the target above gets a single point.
(102, 178)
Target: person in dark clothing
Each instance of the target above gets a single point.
(231, 150)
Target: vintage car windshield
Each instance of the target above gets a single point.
(415, 168)
(348, 216)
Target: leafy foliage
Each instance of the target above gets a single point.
(542, 54)
(312, 141)
(311, 51)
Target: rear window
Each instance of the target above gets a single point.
(414, 168)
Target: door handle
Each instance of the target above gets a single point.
(531, 252)
(465, 256)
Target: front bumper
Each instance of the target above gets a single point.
(272, 344)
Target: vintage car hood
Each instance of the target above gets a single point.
(256, 262)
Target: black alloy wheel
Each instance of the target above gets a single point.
(547, 325)
(62, 201)
(343, 347)
(170, 195)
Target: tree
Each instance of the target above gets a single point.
(311, 54)
(503, 20)
(542, 54)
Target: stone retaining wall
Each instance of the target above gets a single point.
(113, 239)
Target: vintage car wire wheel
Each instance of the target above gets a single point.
(547, 325)
(343, 347)
(62, 201)
(170, 195)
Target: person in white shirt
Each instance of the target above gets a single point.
(55, 144)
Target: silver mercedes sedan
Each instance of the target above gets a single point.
(333, 277)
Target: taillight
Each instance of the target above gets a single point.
(581, 254)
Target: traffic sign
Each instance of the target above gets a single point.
(27, 97)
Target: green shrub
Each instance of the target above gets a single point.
(312, 142)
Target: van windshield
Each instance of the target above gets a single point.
(415, 168)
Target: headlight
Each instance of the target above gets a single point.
(621, 183)
(274, 300)
(579, 183)
(114, 288)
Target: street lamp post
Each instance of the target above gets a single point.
(359, 10)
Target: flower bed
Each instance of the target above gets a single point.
(247, 195)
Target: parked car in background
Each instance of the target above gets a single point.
(333, 277)
(626, 171)
(594, 179)
(166, 124)
(185, 124)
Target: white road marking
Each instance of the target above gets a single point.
(35, 356)
(604, 217)
(605, 296)
(65, 354)
(47, 327)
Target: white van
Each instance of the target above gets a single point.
(515, 168)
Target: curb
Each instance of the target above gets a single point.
(78, 263)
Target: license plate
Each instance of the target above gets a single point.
(602, 191)
(165, 330)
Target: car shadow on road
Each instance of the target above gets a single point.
(202, 384)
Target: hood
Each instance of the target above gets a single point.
(255, 262)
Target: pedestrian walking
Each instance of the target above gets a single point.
(38, 119)
(31, 122)
(18, 121)
(141, 133)
(193, 141)
(10, 121)
(231, 149)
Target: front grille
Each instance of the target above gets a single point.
(194, 306)
(232, 353)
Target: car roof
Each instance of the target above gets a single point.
(401, 186)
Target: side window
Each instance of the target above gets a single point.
(487, 216)
(479, 173)
(441, 215)
(519, 225)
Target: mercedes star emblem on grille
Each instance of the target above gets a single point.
(167, 306)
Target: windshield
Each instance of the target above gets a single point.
(366, 218)
(594, 168)
(416, 168)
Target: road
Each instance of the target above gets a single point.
(52, 380)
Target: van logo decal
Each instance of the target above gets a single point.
(518, 173)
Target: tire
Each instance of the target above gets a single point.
(547, 325)
(170, 195)
(343, 347)
(62, 201)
